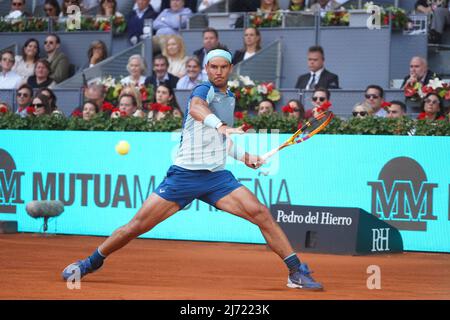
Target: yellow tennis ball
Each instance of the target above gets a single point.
(123, 147)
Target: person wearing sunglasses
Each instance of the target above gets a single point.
(41, 105)
(362, 110)
(432, 108)
(374, 97)
(18, 6)
(24, 96)
(397, 109)
(59, 63)
(319, 97)
(317, 76)
(52, 10)
(298, 110)
(9, 79)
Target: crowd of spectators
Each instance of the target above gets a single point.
(174, 68)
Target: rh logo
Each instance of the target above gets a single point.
(380, 239)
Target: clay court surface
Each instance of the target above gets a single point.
(31, 264)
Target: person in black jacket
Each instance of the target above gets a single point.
(252, 44)
(210, 40)
(135, 20)
(318, 75)
(160, 74)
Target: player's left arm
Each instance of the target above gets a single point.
(250, 160)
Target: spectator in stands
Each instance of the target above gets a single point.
(65, 6)
(160, 73)
(175, 52)
(41, 77)
(134, 91)
(108, 9)
(252, 44)
(374, 97)
(193, 76)
(9, 79)
(210, 41)
(440, 17)
(323, 6)
(191, 4)
(296, 5)
(52, 99)
(90, 108)
(298, 110)
(41, 105)
(362, 110)
(59, 63)
(318, 75)
(397, 109)
(25, 63)
(52, 9)
(205, 4)
(319, 97)
(127, 106)
(95, 92)
(24, 97)
(97, 52)
(418, 72)
(89, 4)
(164, 97)
(18, 6)
(137, 68)
(432, 108)
(172, 19)
(268, 6)
(135, 21)
(265, 107)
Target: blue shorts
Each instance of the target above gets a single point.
(183, 186)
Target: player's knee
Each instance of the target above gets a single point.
(262, 216)
(135, 228)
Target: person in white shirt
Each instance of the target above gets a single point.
(9, 79)
(194, 75)
(137, 68)
(25, 63)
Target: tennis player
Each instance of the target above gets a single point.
(198, 173)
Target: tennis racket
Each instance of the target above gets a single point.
(312, 126)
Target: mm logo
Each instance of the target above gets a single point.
(10, 183)
(402, 196)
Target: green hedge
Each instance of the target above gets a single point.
(369, 125)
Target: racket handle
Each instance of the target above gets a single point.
(267, 155)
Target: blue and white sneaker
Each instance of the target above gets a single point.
(302, 279)
(84, 267)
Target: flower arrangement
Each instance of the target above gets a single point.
(398, 16)
(118, 24)
(266, 20)
(336, 18)
(113, 89)
(250, 93)
(23, 24)
(416, 91)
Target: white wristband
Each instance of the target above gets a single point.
(212, 121)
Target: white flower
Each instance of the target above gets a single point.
(435, 83)
(14, 14)
(109, 82)
(261, 89)
(247, 81)
(233, 83)
(368, 4)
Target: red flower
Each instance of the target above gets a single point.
(409, 91)
(246, 127)
(155, 106)
(424, 116)
(324, 106)
(447, 95)
(77, 113)
(237, 94)
(287, 109)
(123, 114)
(385, 104)
(165, 109)
(3, 109)
(30, 110)
(426, 89)
(257, 21)
(269, 86)
(239, 115)
(386, 19)
(107, 106)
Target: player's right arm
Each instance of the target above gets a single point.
(200, 111)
